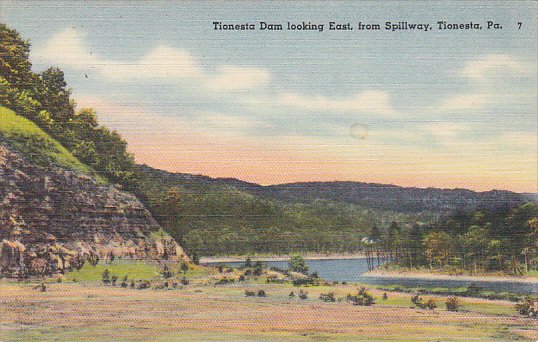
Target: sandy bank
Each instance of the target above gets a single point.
(280, 257)
(432, 276)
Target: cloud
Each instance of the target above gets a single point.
(68, 49)
(491, 81)
(237, 78)
(493, 66)
(163, 62)
(370, 101)
(465, 102)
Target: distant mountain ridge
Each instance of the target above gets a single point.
(371, 195)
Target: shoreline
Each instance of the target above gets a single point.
(286, 257)
(431, 276)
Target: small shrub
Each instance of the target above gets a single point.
(344, 283)
(529, 307)
(105, 276)
(184, 281)
(250, 293)
(41, 287)
(241, 278)
(114, 279)
(124, 282)
(184, 267)
(452, 304)
(431, 304)
(132, 284)
(419, 302)
(258, 269)
(292, 294)
(224, 280)
(166, 273)
(385, 297)
(303, 294)
(363, 298)
(143, 284)
(274, 279)
(306, 281)
(327, 297)
(261, 293)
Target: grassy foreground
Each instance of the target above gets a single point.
(203, 310)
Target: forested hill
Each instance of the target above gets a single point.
(396, 198)
(369, 195)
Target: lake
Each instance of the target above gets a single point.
(353, 270)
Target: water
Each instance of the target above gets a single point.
(352, 270)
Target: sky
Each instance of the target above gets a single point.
(442, 108)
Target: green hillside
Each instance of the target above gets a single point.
(210, 217)
(36, 145)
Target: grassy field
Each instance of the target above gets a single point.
(202, 310)
(37, 145)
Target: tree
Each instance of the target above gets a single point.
(298, 264)
(414, 246)
(55, 97)
(105, 276)
(15, 64)
(475, 243)
(166, 273)
(86, 152)
(438, 248)
(184, 267)
(394, 241)
(520, 234)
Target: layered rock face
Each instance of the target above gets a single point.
(53, 220)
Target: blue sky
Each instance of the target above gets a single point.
(438, 108)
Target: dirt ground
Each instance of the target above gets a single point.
(75, 311)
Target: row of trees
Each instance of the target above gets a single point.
(45, 99)
(480, 241)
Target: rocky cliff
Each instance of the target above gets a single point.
(53, 219)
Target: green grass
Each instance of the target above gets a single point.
(36, 145)
(532, 273)
(133, 269)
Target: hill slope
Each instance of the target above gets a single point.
(396, 198)
(36, 145)
(54, 216)
(223, 216)
(368, 195)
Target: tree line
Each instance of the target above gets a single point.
(481, 241)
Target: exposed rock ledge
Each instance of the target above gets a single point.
(53, 220)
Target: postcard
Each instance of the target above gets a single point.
(268, 170)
